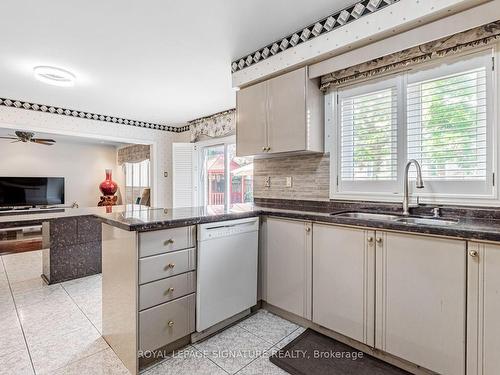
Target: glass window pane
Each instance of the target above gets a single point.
(368, 126)
(128, 174)
(241, 173)
(214, 176)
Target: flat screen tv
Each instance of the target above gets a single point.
(31, 191)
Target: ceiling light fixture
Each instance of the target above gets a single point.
(54, 76)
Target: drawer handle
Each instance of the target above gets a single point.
(168, 242)
(169, 266)
(169, 290)
(170, 323)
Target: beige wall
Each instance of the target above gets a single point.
(310, 177)
(81, 164)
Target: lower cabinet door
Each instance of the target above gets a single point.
(287, 265)
(421, 300)
(163, 324)
(344, 281)
(483, 314)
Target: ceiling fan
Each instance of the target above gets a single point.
(29, 137)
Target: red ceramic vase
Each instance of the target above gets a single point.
(108, 186)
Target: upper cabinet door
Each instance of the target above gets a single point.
(483, 310)
(287, 129)
(421, 300)
(251, 119)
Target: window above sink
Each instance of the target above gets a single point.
(442, 115)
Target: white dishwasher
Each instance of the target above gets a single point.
(227, 270)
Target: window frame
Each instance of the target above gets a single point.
(223, 141)
(428, 194)
(129, 177)
(377, 187)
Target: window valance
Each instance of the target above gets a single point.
(219, 125)
(448, 46)
(133, 154)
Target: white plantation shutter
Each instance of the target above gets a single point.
(185, 175)
(368, 138)
(447, 126)
(441, 115)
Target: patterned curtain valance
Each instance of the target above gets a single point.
(219, 125)
(448, 46)
(133, 154)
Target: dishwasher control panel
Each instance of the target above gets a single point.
(227, 228)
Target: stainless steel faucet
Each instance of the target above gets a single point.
(419, 184)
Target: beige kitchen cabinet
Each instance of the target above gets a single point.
(344, 281)
(251, 138)
(280, 115)
(287, 257)
(421, 300)
(483, 309)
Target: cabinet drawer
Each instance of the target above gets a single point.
(165, 290)
(161, 325)
(162, 241)
(165, 265)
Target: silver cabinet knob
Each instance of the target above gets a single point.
(370, 239)
(263, 148)
(169, 290)
(379, 240)
(170, 323)
(169, 266)
(269, 149)
(473, 253)
(308, 229)
(168, 242)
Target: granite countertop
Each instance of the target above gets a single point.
(148, 219)
(142, 218)
(154, 219)
(36, 217)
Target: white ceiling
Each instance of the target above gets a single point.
(159, 61)
(62, 138)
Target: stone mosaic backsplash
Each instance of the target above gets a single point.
(310, 177)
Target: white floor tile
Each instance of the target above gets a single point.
(104, 362)
(23, 266)
(268, 326)
(233, 348)
(186, 362)
(290, 338)
(16, 363)
(62, 350)
(58, 320)
(30, 285)
(87, 294)
(11, 335)
(262, 366)
(43, 296)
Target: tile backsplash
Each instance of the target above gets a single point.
(310, 175)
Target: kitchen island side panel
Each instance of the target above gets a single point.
(120, 293)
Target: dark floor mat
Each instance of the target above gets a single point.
(312, 353)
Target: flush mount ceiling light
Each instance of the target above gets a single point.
(54, 76)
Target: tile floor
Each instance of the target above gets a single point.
(56, 330)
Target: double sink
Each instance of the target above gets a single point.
(396, 218)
